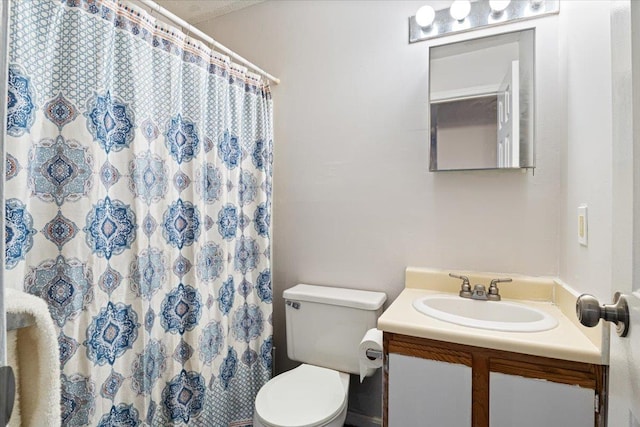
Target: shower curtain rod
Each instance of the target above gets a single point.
(193, 30)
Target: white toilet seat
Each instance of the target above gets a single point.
(307, 396)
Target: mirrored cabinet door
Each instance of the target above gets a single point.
(481, 100)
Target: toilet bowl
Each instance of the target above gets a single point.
(307, 396)
(324, 328)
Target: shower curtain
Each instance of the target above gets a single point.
(138, 206)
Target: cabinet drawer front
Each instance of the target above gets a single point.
(428, 393)
(526, 402)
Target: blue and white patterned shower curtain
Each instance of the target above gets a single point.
(138, 206)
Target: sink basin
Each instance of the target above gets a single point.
(495, 315)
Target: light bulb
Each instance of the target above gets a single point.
(460, 9)
(425, 16)
(499, 5)
(536, 3)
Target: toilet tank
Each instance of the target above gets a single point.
(325, 324)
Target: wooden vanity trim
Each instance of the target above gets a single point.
(546, 369)
(386, 338)
(483, 361)
(480, 387)
(410, 346)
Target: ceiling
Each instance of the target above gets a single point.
(198, 11)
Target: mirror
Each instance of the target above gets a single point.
(481, 100)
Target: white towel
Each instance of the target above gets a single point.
(12, 360)
(38, 363)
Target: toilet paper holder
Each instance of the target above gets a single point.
(373, 354)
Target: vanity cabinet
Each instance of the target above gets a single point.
(423, 389)
(527, 402)
(429, 382)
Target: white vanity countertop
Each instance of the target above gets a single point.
(568, 341)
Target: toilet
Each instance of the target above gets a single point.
(324, 328)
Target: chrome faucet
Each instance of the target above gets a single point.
(480, 292)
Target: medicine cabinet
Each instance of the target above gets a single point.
(482, 103)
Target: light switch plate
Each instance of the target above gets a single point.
(582, 225)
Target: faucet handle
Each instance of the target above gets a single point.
(494, 292)
(465, 288)
(464, 279)
(495, 282)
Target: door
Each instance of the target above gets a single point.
(509, 118)
(624, 380)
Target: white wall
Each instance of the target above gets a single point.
(585, 51)
(354, 203)
(485, 66)
(468, 147)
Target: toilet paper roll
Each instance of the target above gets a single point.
(372, 340)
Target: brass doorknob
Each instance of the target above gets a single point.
(589, 312)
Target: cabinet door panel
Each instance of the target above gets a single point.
(526, 402)
(428, 393)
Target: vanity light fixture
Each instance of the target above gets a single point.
(498, 6)
(460, 9)
(464, 15)
(535, 4)
(425, 16)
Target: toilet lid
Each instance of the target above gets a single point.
(305, 396)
